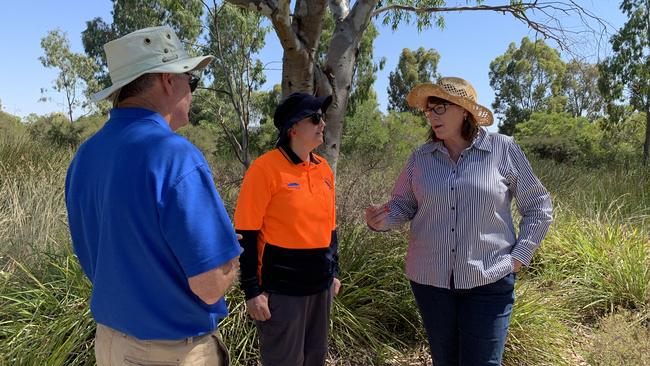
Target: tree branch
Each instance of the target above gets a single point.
(339, 9)
(265, 7)
(361, 14)
(307, 22)
(550, 27)
(281, 19)
(278, 12)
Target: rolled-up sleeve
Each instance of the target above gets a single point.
(533, 202)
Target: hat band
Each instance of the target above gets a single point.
(129, 70)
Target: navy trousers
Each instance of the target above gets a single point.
(466, 327)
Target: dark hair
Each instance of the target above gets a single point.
(134, 88)
(468, 130)
(283, 138)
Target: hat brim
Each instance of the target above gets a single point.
(418, 96)
(177, 67)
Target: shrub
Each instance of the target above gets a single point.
(560, 137)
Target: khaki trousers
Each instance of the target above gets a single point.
(113, 348)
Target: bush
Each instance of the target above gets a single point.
(560, 137)
(594, 261)
(368, 135)
(567, 139)
(10, 125)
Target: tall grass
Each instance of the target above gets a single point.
(606, 265)
(44, 314)
(539, 331)
(594, 263)
(373, 317)
(32, 214)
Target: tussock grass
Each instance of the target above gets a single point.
(32, 212)
(374, 316)
(44, 315)
(605, 265)
(594, 263)
(539, 333)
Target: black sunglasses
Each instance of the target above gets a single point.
(316, 118)
(193, 81)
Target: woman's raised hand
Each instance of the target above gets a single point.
(376, 217)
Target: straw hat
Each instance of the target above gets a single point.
(146, 51)
(455, 90)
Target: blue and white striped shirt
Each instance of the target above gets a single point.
(460, 213)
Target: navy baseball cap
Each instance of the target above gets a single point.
(296, 107)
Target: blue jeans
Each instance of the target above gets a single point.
(466, 327)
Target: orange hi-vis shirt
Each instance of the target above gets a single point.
(291, 206)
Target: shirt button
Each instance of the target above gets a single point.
(452, 230)
(453, 171)
(453, 250)
(453, 208)
(452, 188)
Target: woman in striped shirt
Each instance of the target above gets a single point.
(464, 253)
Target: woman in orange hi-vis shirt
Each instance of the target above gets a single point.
(287, 216)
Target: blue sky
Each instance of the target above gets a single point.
(467, 45)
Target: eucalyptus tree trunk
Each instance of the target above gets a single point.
(299, 35)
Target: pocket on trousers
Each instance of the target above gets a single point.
(222, 351)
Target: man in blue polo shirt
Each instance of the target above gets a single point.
(147, 223)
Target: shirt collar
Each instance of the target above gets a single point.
(481, 142)
(132, 114)
(290, 155)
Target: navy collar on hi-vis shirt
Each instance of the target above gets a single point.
(294, 158)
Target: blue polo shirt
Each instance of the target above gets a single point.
(145, 216)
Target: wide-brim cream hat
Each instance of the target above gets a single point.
(455, 90)
(146, 51)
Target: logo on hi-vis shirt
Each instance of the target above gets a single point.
(294, 185)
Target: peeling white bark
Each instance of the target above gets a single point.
(340, 9)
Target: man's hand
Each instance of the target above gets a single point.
(376, 217)
(336, 286)
(258, 307)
